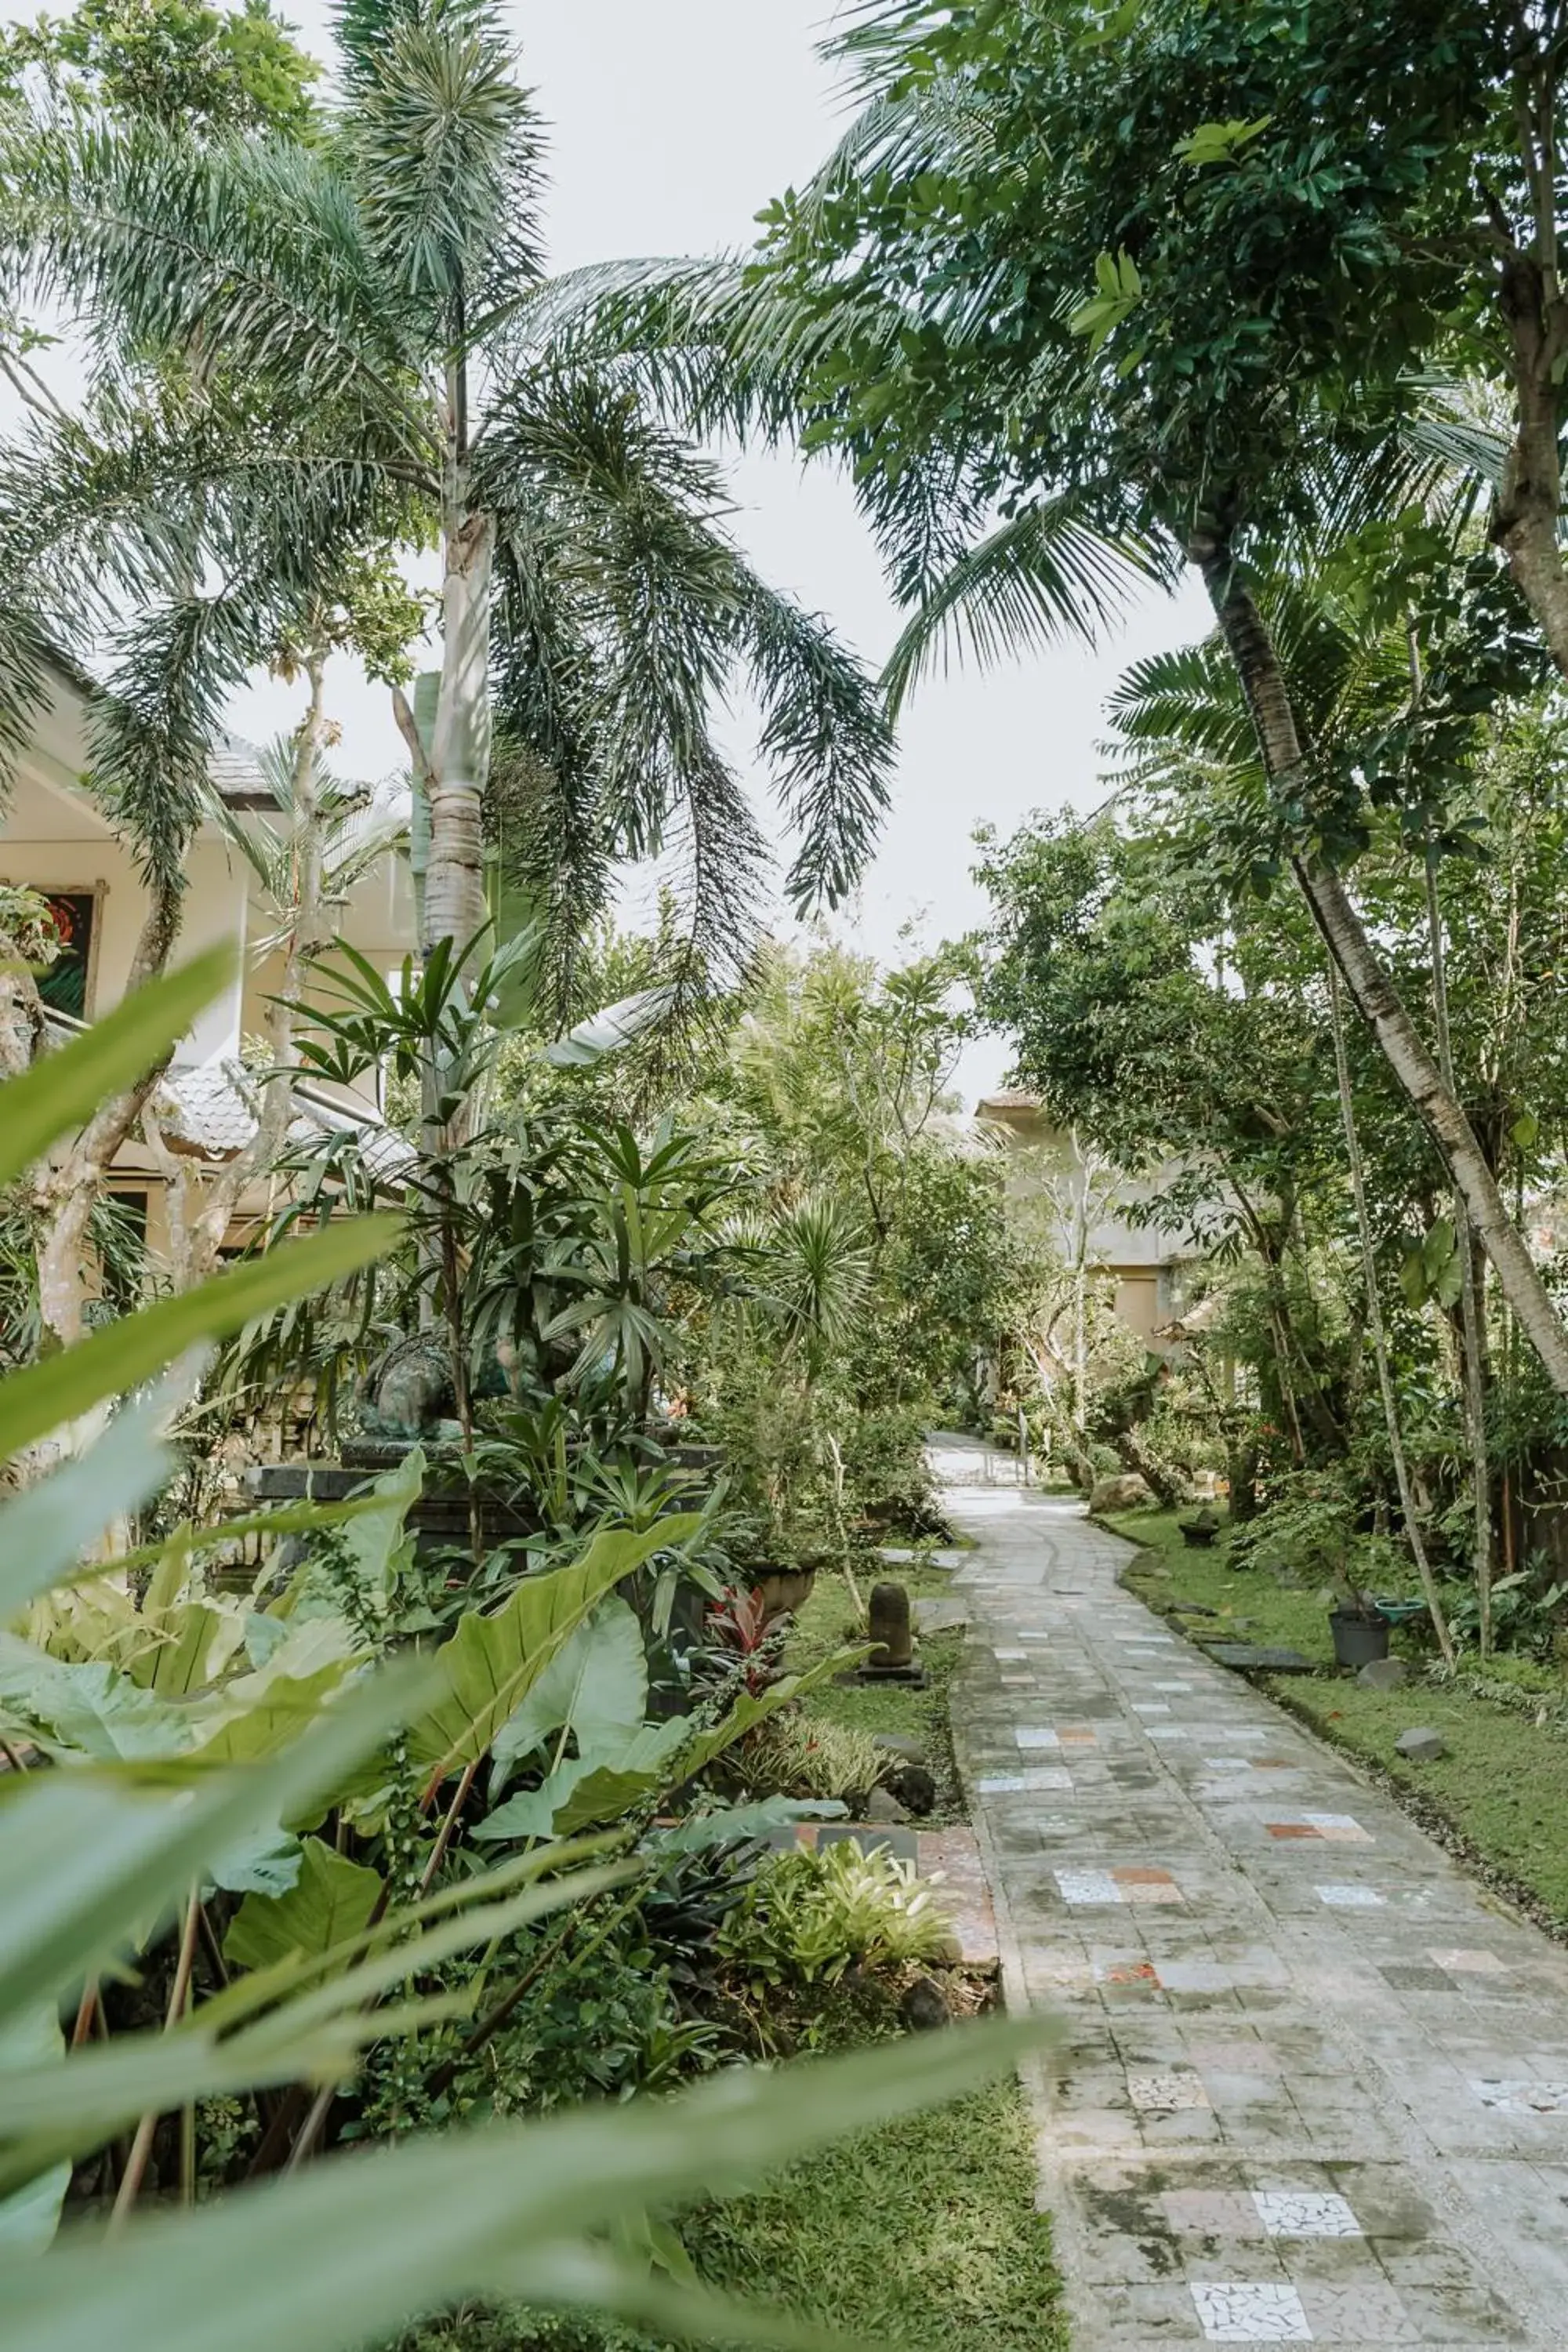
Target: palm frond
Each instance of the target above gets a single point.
(445, 148)
(1045, 574)
(827, 737)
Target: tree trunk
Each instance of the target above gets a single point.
(455, 902)
(1370, 991)
(1379, 1333)
(1471, 1300)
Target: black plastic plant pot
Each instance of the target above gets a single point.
(1358, 1641)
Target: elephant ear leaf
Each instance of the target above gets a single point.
(491, 1664)
(30, 2215)
(331, 1901)
(597, 1687)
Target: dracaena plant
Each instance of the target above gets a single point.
(97, 1865)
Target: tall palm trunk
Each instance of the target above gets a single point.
(1377, 1327)
(455, 903)
(1471, 1304)
(1370, 991)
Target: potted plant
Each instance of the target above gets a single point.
(1358, 1625)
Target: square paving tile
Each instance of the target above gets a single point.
(1305, 2213)
(1211, 2213)
(1160, 2094)
(1363, 2311)
(1085, 1887)
(1470, 1964)
(1522, 2096)
(1414, 1978)
(1231, 2312)
(1032, 1736)
(1148, 1887)
(1351, 1898)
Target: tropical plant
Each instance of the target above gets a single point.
(813, 1915)
(347, 2254)
(368, 297)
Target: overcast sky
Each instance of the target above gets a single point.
(672, 122)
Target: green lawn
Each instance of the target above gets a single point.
(1503, 1786)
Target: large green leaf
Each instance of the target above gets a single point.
(30, 2213)
(341, 2255)
(600, 1785)
(87, 1859)
(331, 1901)
(491, 1663)
(45, 1395)
(597, 1687)
(63, 1089)
(45, 1531)
(91, 1708)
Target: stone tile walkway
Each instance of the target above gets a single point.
(1311, 2086)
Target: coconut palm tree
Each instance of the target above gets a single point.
(298, 348)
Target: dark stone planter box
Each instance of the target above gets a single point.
(440, 1519)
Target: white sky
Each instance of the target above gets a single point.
(673, 122)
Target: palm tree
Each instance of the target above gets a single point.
(846, 345)
(297, 348)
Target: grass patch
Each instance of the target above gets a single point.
(1502, 1789)
(827, 1621)
(922, 2234)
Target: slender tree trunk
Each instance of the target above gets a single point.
(1471, 1303)
(455, 902)
(1379, 1331)
(1370, 991)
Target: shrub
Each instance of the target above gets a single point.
(812, 1916)
(799, 1755)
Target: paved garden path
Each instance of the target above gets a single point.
(1312, 2082)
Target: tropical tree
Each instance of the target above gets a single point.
(362, 307)
(1151, 287)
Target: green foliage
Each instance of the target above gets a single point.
(809, 1754)
(174, 62)
(810, 1915)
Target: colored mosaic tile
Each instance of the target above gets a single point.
(1084, 1888)
(1522, 2098)
(1161, 2093)
(1077, 1735)
(1173, 1686)
(1470, 1964)
(1226, 1764)
(1302, 2214)
(1351, 1898)
(1010, 1657)
(1029, 1737)
(1126, 1972)
(1150, 1706)
(1148, 1887)
(1233, 2312)
(1291, 1830)
(1342, 1827)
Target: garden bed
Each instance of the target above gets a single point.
(1497, 1800)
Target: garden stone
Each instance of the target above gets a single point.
(888, 1626)
(925, 2007)
(1383, 1674)
(1421, 1746)
(894, 1743)
(914, 1787)
(1126, 1493)
(881, 1805)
